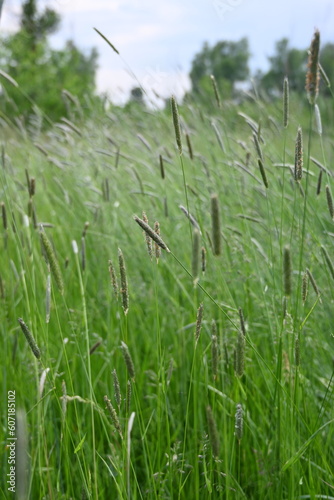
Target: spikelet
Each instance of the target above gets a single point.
(215, 89)
(203, 255)
(83, 253)
(297, 351)
(52, 260)
(199, 318)
(195, 263)
(242, 321)
(155, 237)
(298, 173)
(263, 172)
(190, 217)
(113, 278)
(157, 248)
(312, 75)
(319, 183)
(257, 145)
(147, 237)
(32, 187)
(128, 396)
(4, 216)
(30, 339)
(162, 168)
(287, 271)
(240, 355)
(239, 422)
(176, 122)
(285, 102)
(215, 221)
(117, 388)
(214, 349)
(328, 261)
(128, 360)
(213, 432)
(313, 283)
(113, 415)
(190, 149)
(305, 286)
(124, 282)
(330, 201)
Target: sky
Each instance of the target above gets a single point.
(157, 40)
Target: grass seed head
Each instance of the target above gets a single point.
(329, 201)
(215, 221)
(215, 89)
(124, 282)
(196, 255)
(240, 354)
(147, 237)
(313, 74)
(328, 261)
(305, 281)
(298, 173)
(4, 216)
(263, 173)
(113, 415)
(157, 248)
(287, 271)
(113, 278)
(52, 260)
(176, 123)
(117, 388)
(155, 237)
(30, 338)
(213, 432)
(128, 360)
(198, 322)
(239, 422)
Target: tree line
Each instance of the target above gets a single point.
(35, 76)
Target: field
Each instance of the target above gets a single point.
(134, 394)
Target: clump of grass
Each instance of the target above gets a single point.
(128, 360)
(30, 339)
(287, 271)
(298, 173)
(52, 260)
(155, 237)
(113, 415)
(312, 75)
(215, 222)
(124, 282)
(213, 432)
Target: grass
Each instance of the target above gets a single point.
(255, 422)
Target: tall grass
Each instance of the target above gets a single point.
(240, 408)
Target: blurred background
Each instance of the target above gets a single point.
(161, 44)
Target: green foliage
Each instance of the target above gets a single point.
(41, 72)
(227, 61)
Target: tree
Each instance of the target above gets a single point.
(227, 61)
(288, 62)
(41, 72)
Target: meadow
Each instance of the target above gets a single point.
(201, 372)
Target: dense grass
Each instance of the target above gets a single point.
(183, 440)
